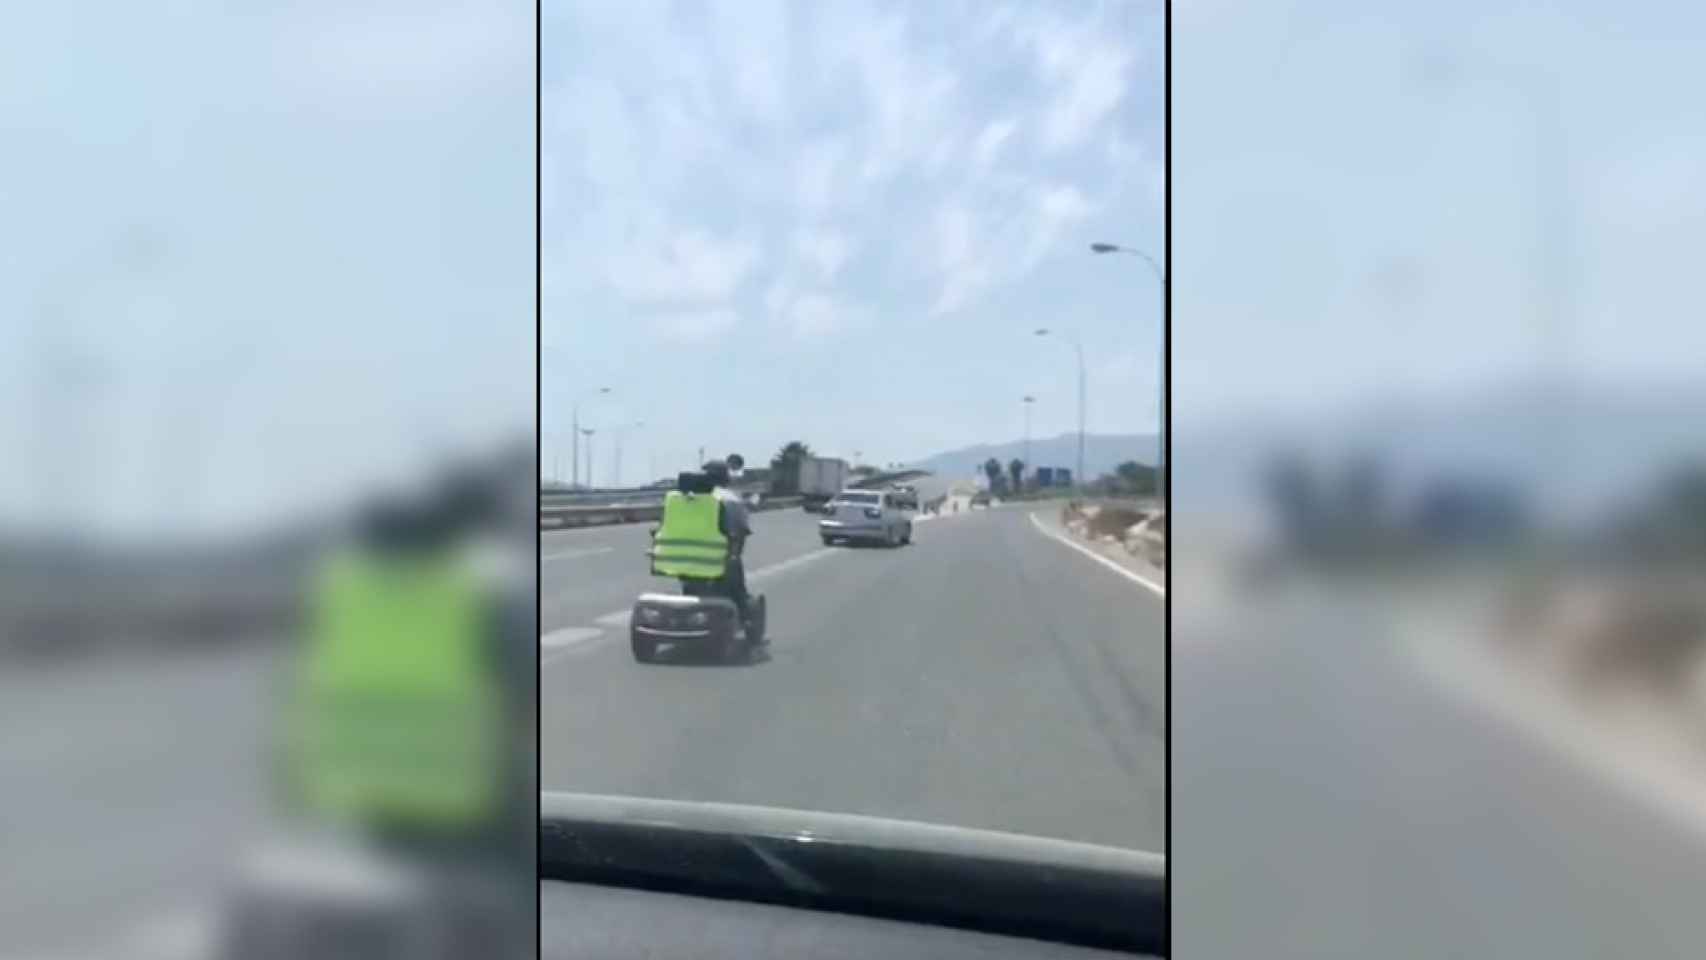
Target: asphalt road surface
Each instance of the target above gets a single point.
(132, 783)
(986, 676)
(1333, 800)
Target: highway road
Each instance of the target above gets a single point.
(133, 782)
(985, 676)
(1334, 799)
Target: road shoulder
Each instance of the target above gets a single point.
(1109, 554)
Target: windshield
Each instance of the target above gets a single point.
(875, 249)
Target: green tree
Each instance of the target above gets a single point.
(785, 468)
(1135, 478)
(992, 469)
(1016, 470)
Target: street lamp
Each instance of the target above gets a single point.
(1028, 401)
(575, 436)
(616, 432)
(1044, 332)
(1160, 363)
(588, 432)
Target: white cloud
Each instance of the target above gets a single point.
(909, 95)
(1062, 204)
(696, 326)
(866, 131)
(989, 143)
(1096, 86)
(952, 232)
(1058, 209)
(777, 298)
(959, 287)
(819, 175)
(826, 250)
(1085, 71)
(753, 39)
(689, 267)
(817, 315)
(971, 255)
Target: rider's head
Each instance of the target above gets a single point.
(718, 471)
(736, 463)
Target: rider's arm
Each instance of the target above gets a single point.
(732, 520)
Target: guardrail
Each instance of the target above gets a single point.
(558, 517)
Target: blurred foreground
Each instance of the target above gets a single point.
(266, 267)
(154, 780)
(1439, 571)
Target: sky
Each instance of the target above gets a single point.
(259, 260)
(841, 222)
(1370, 203)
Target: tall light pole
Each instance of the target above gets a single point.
(588, 432)
(1160, 362)
(1028, 401)
(575, 435)
(1078, 478)
(616, 435)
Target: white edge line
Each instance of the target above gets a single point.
(1474, 680)
(1104, 561)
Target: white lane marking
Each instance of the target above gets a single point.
(572, 554)
(764, 573)
(568, 636)
(615, 618)
(1104, 561)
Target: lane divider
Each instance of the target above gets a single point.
(1131, 575)
(573, 554)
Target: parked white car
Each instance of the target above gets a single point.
(873, 516)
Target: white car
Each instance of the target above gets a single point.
(869, 515)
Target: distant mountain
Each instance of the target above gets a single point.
(1102, 453)
(1579, 451)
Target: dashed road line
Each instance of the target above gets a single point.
(567, 637)
(579, 641)
(575, 554)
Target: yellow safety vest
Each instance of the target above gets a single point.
(397, 715)
(688, 544)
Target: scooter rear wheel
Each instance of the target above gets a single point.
(755, 632)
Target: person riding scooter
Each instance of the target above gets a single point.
(702, 536)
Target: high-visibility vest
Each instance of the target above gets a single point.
(397, 715)
(689, 544)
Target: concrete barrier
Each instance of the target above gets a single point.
(1138, 526)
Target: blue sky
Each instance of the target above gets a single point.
(841, 221)
(1315, 162)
